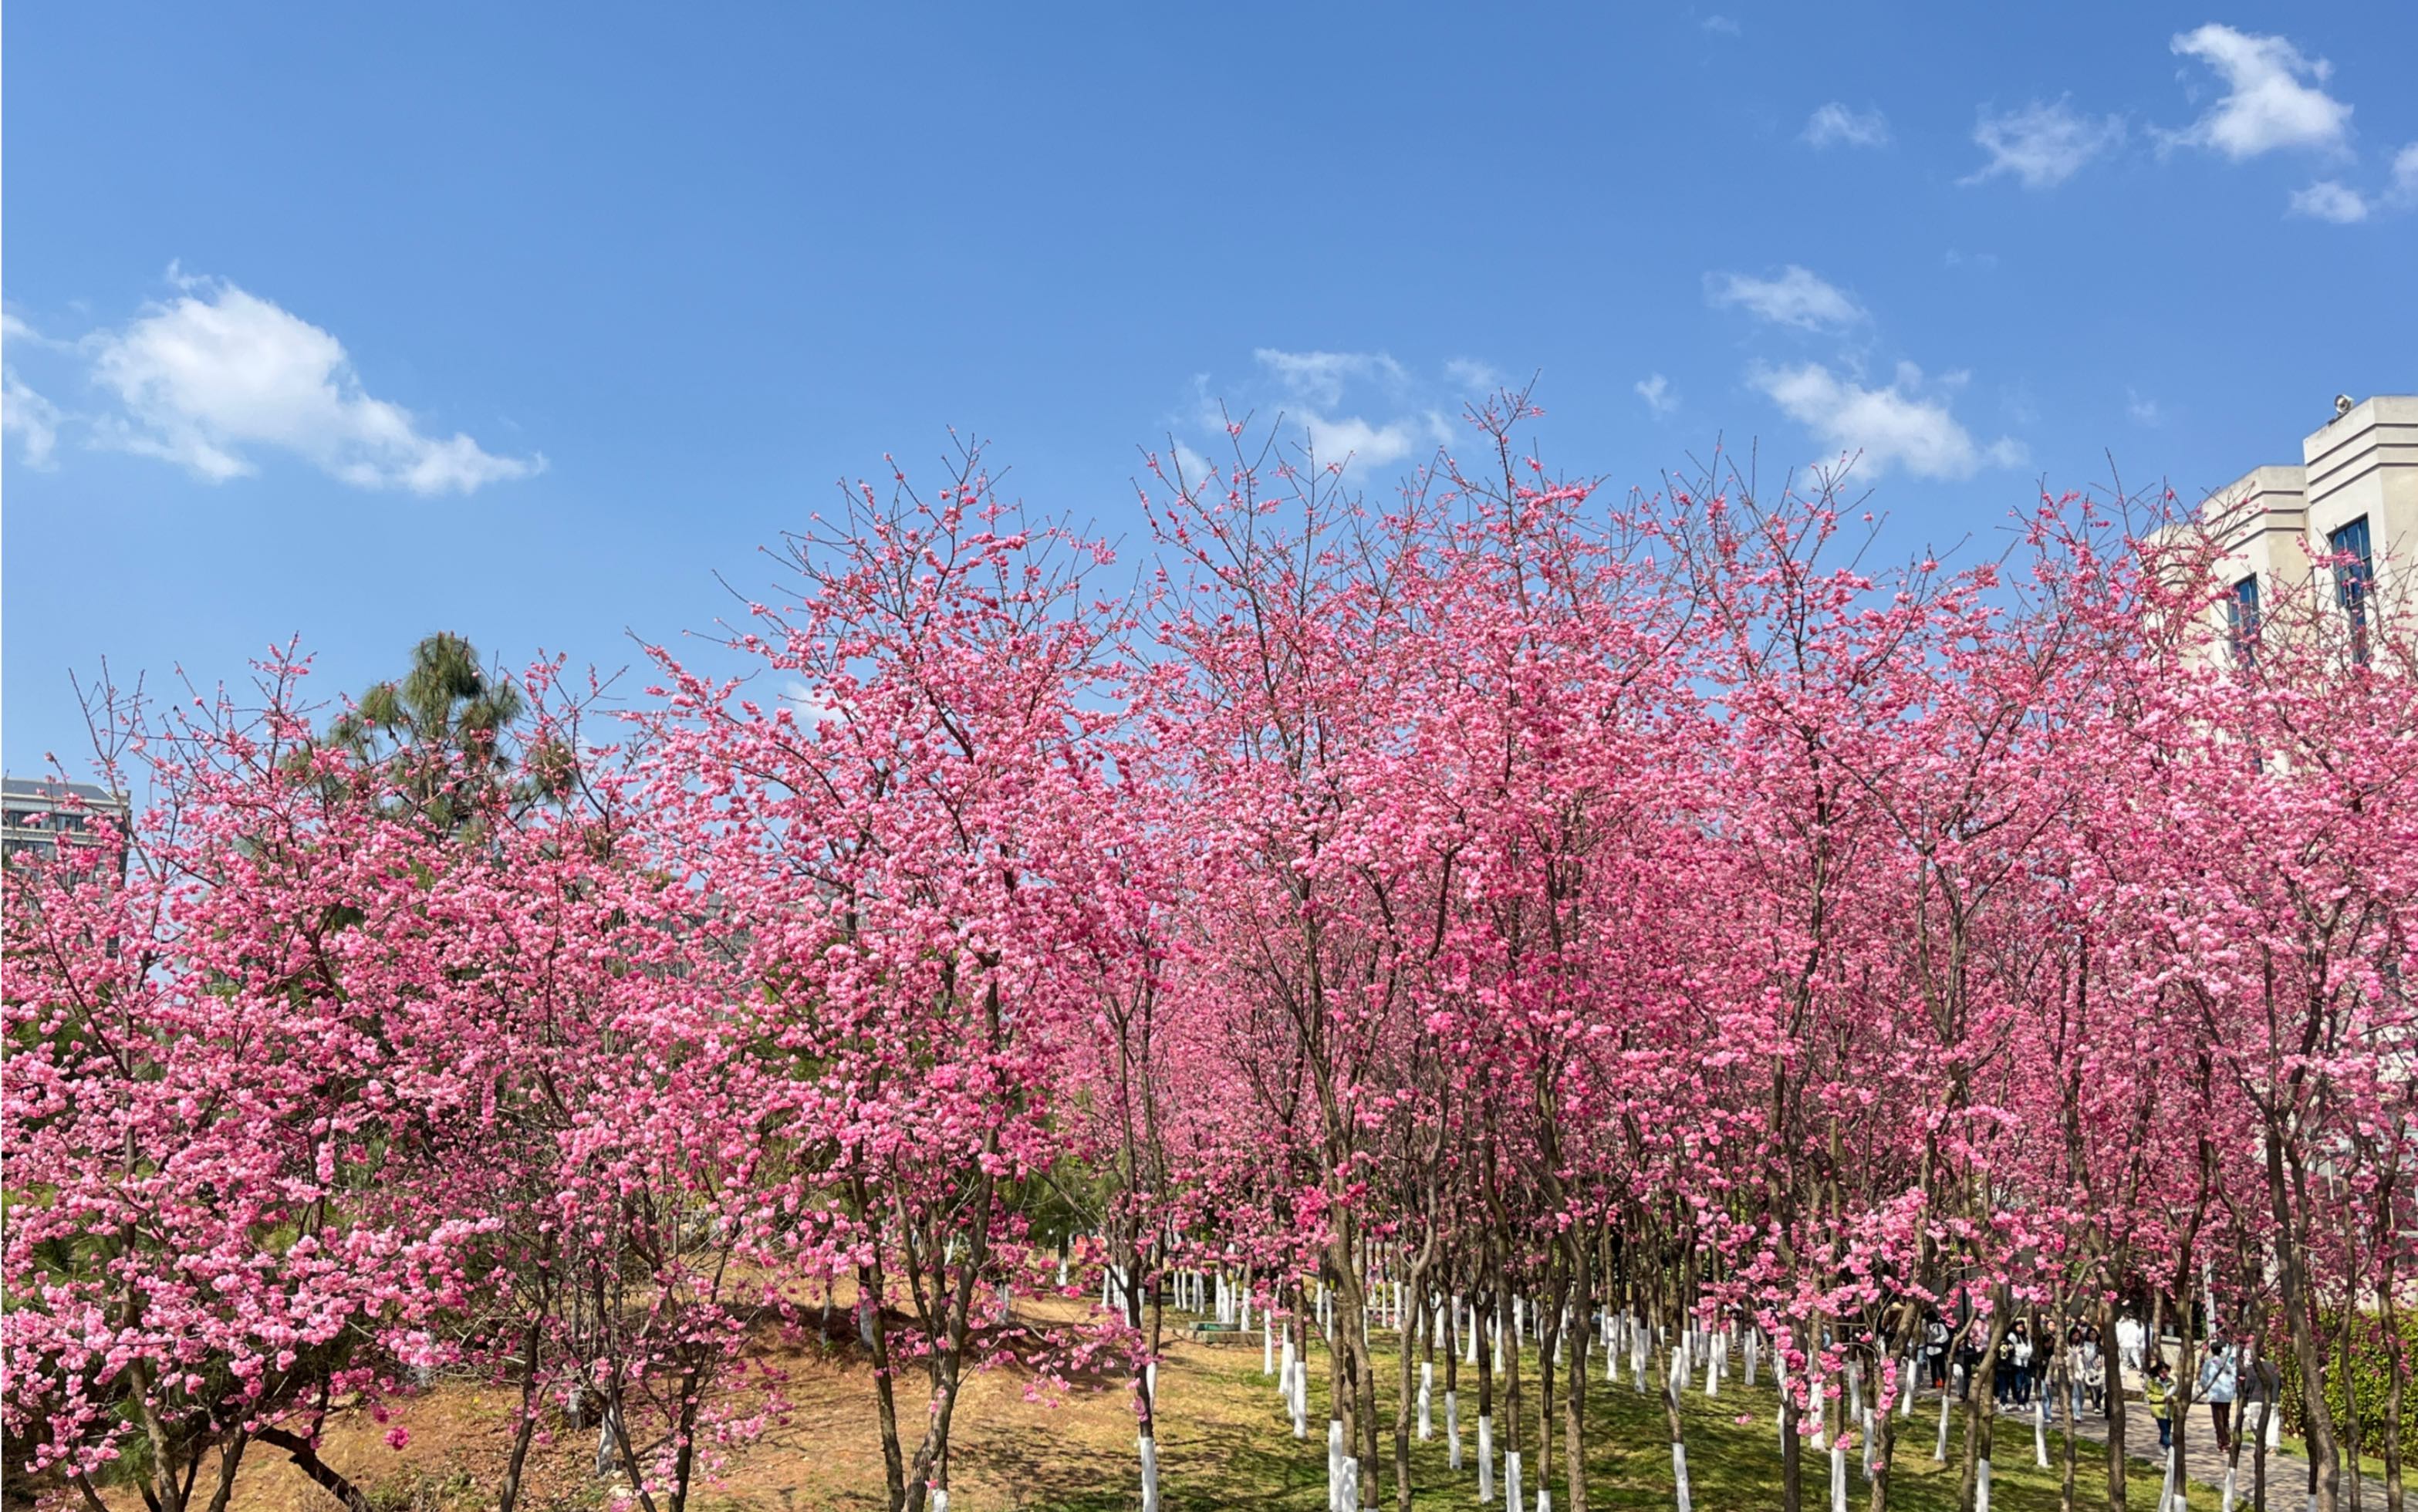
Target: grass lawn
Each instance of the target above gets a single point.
(1226, 1443)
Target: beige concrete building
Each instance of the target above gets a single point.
(38, 812)
(2336, 533)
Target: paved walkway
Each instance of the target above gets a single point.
(2288, 1475)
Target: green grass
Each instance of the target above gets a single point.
(1242, 1458)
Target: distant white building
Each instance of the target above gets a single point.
(2342, 526)
(37, 813)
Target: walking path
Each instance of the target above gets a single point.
(2288, 1476)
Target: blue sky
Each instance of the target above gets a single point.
(525, 322)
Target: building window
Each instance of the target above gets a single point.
(2242, 620)
(2354, 580)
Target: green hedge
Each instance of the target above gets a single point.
(2371, 1373)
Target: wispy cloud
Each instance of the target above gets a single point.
(2327, 200)
(2041, 145)
(1721, 25)
(1835, 126)
(2272, 96)
(29, 417)
(809, 705)
(216, 377)
(1656, 391)
(25, 413)
(1794, 296)
(1474, 375)
(1896, 425)
(1316, 383)
(1319, 377)
(2145, 412)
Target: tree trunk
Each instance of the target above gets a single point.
(2292, 1283)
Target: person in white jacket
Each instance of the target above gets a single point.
(2219, 1376)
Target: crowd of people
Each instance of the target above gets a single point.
(2026, 1374)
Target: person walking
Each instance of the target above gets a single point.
(2094, 1378)
(1935, 1338)
(2128, 1341)
(2219, 1380)
(2025, 1355)
(2158, 1388)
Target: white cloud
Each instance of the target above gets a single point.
(2404, 191)
(2145, 411)
(1473, 374)
(1796, 297)
(2041, 145)
(2267, 104)
(2326, 200)
(217, 373)
(1834, 125)
(29, 417)
(1315, 384)
(15, 333)
(1890, 427)
(810, 706)
(1351, 443)
(1319, 377)
(1722, 25)
(1656, 391)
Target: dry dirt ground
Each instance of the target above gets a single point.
(1009, 1451)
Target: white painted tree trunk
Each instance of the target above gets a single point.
(1939, 1453)
(1982, 1487)
(1510, 1480)
(1838, 1478)
(1452, 1427)
(1335, 1464)
(2040, 1432)
(1268, 1351)
(1680, 1476)
(1485, 1459)
(1426, 1396)
(939, 1500)
(1149, 1474)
